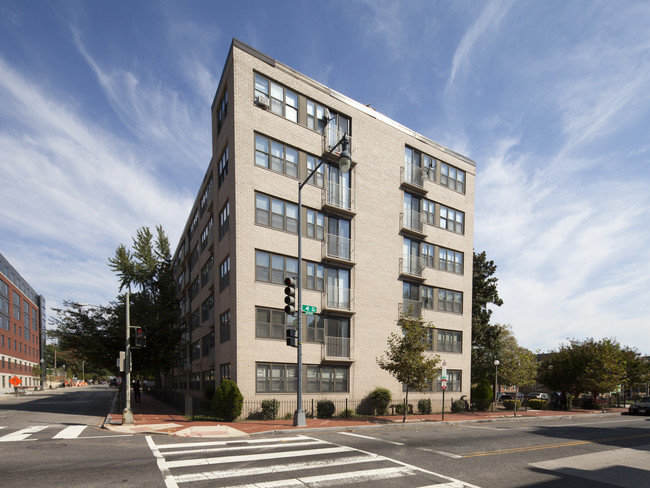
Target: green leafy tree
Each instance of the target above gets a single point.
(147, 269)
(406, 359)
(485, 337)
(517, 365)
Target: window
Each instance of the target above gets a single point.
(206, 308)
(315, 224)
(454, 381)
(224, 220)
(195, 320)
(327, 379)
(194, 257)
(276, 213)
(270, 323)
(191, 230)
(449, 340)
(206, 234)
(222, 110)
(315, 277)
(283, 101)
(452, 220)
(224, 327)
(224, 371)
(273, 268)
(26, 314)
(223, 167)
(194, 288)
(428, 254)
(195, 350)
(315, 116)
(449, 260)
(427, 297)
(337, 126)
(276, 378)
(276, 156)
(338, 288)
(318, 178)
(206, 271)
(338, 238)
(205, 197)
(207, 344)
(429, 212)
(224, 274)
(315, 328)
(16, 306)
(452, 178)
(180, 282)
(450, 301)
(429, 167)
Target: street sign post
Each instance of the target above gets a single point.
(15, 381)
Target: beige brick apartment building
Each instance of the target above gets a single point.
(394, 233)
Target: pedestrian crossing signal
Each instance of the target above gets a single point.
(140, 338)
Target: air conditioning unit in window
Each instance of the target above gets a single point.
(262, 101)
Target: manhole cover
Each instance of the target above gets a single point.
(46, 446)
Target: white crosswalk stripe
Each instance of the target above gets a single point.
(284, 462)
(27, 434)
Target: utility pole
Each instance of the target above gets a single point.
(127, 415)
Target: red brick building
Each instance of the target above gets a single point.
(22, 323)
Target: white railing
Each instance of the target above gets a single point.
(338, 196)
(412, 265)
(412, 220)
(337, 347)
(337, 297)
(338, 247)
(413, 175)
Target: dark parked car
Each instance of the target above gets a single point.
(642, 407)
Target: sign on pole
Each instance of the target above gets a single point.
(309, 309)
(443, 384)
(15, 381)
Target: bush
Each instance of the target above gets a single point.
(482, 395)
(458, 406)
(270, 409)
(537, 404)
(325, 409)
(380, 399)
(424, 406)
(288, 416)
(347, 413)
(399, 409)
(510, 404)
(228, 401)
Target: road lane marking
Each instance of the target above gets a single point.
(23, 434)
(232, 443)
(442, 453)
(162, 464)
(552, 446)
(372, 438)
(70, 432)
(256, 457)
(276, 468)
(230, 448)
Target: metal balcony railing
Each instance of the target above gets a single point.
(337, 347)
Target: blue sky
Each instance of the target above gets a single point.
(105, 127)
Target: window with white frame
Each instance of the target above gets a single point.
(453, 220)
(314, 276)
(322, 379)
(315, 224)
(224, 274)
(283, 101)
(223, 166)
(449, 340)
(318, 178)
(276, 156)
(428, 254)
(205, 235)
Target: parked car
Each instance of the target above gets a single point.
(537, 395)
(642, 407)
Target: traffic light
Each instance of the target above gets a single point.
(140, 337)
(290, 295)
(292, 337)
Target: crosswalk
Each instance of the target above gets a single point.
(40, 432)
(285, 462)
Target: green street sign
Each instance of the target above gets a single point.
(309, 309)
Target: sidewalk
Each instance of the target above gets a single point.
(154, 417)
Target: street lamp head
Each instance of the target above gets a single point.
(345, 161)
(496, 362)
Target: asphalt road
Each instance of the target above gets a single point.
(54, 440)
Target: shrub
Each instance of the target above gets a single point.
(288, 416)
(228, 401)
(510, 404)
(399, 409)
(380, 399)
(458, 406)
(347, 413)
(325, 409)
(270, 409)
(482, 395)
(537, 404)
(424, 406)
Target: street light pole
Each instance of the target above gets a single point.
(299, 419)
(127, 415)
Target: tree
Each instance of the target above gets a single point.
(405, 358)
(485, 337)
(154, 306)
(517, 365)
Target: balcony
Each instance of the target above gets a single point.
(331, 137)
(337, 299)
(337, 348)
(411, 266)
(412, 307)
(337, 249)
(412, 176)
(337, 197)
(412, 222)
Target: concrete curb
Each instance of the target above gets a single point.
(109, 420)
